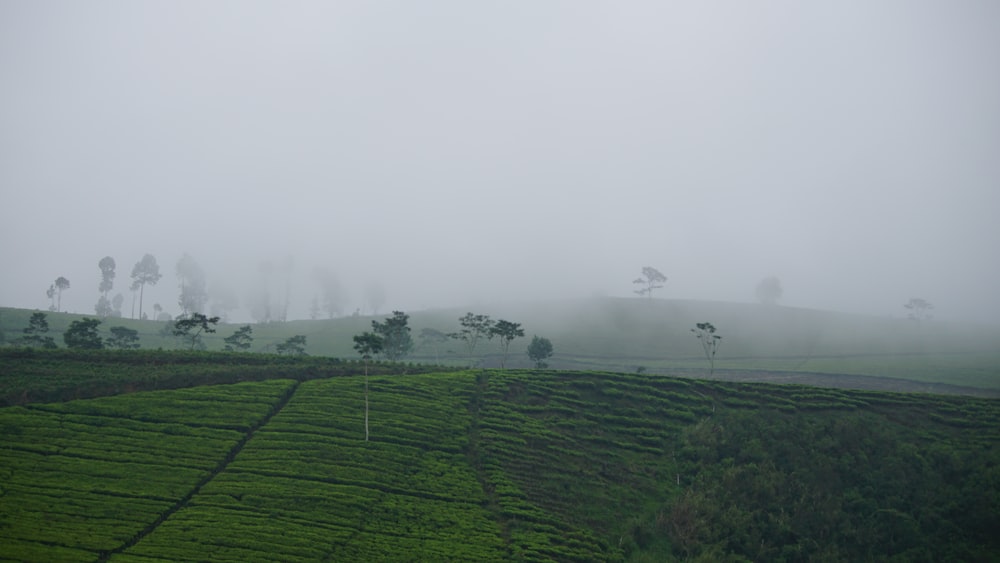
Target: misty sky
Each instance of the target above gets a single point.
(466, 152)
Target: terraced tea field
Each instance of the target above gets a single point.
(464, 466)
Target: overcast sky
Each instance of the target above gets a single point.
(463, 152)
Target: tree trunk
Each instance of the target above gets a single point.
(366, 401)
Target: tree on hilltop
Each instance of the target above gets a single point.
(919, 309)
(60, 285)
(293, 346)
(474, 329)
(769, 290)
(122, 338)
(651, 279)
(191, 279)
(506, 331)
(82, 334)
(190, 329)
(145, 271)
(36, 332)
(103, 307)
(395, 334)
(239, 341)
(539, 350)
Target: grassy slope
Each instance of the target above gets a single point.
(491, 465)
(623, 334)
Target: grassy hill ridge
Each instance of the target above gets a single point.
(628, 334)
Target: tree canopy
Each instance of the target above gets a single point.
(651, 279)
(395, 334)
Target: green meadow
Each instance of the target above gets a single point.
(490, 465)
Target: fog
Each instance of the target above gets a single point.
(462, 153)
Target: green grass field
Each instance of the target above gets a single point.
(487, 465)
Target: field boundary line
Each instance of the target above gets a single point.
(230, 456)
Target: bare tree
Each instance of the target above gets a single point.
(705, 333)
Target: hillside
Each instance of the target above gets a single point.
(759, 342)
(490, 466)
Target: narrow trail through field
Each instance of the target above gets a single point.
(230, 456)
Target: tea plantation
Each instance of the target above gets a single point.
(499, 466)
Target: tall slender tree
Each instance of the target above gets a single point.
(146, 271)
(191, 279)
(107, 266)
(367, 344)
(61, 284)
(474, 329)
(506, 331)
(705, 332)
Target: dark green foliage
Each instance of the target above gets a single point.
(295, 346)
(506, 331)
(474, 329)
(82, 334)
(123, 338)
(35, 333)
(853, 487)
(189, 329)
(241, 340)
(368, 344)
(540, 350)
(487, 466)
(395, 334)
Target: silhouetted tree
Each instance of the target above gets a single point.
(241, 340)
(294, 346)
(331, 290)
(191, 280)
(116, 304)
(651, 277)
(35, 333)
(919, 309)
(506, 331)
(82, 333)
(367, 344)
(51, 294)
(769, 290)
(103, 307)
(122, 338)
(540, 350)
(395, 334)
(146, 271)
(61, 284)
(191, 328)
(705, 333)
(474, 329)
(286, 266)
